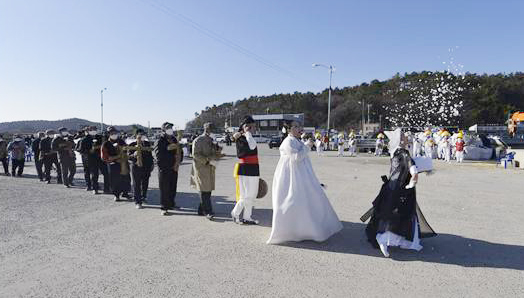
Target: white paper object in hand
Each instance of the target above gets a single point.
(411, 184)
(424, 164)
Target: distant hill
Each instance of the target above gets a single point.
(74, 124)
(418, 99)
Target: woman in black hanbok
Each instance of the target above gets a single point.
(396, 219)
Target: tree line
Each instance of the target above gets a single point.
(484, 99)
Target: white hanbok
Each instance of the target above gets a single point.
(301, 209)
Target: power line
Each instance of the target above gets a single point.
(232, 45)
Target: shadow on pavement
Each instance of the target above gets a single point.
(443, 249)
(188, 202)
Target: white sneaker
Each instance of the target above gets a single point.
(164, 212)
(138, 206)
(236, 219)
(384, 250)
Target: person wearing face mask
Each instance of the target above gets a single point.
(49, 157)
(167, 154)
(111, 155)
(396, 219)
(17, 148)
(142, 163)
(89, 148)
(205, 156)
(63, 145)
(246, 172)
(98, 141)
(35, 145)
(301, 209)
(3, 155)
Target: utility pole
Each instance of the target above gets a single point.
(363, 117)
(369, 105)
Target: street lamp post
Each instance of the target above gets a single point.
(102, 110)
(363, 115)
(331, 69)
(369, 106)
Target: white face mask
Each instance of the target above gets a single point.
(18, 139)
(113, 137)
(92, 132)
(65, 133)
(170, 132)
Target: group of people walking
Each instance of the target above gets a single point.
(107, 154)
(301, 209)
(440, 145)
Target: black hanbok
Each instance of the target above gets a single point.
(395, 209)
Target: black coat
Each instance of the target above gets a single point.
(147, 155)
(395, 208)
(166, 159)
(35, 146)
(45, 146)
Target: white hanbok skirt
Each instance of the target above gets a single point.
(301, 209)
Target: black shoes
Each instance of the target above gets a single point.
(250, 222)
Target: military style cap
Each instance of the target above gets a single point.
(49, 132)
(111, 129)
(247, 120)
(167, 125)
(61, 129)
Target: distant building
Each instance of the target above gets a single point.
(271, 124)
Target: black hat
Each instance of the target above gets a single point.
(167, 125)
(111, 129)
(247, 120)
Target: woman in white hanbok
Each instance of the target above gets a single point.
(301, 209)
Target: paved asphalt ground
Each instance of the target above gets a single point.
(58, 242)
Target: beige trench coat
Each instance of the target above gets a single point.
(203, 173)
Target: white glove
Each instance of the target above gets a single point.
(411, 184)
(213, 163)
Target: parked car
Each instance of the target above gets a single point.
(220, 138)
(366, 144)
(261, 138)
(274, 142)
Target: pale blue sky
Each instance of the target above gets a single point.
(55, 56)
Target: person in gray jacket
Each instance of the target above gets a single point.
(17, 148)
